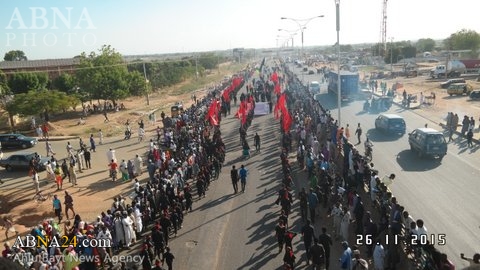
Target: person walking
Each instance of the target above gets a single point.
(358, 132)
(280, 231)
(312, 204)
(9, 227)
(317, 252)
(49, 148)
(256, 141)
(35, 179)
(234, 177)
(346, 258)
(325, 240)
(68, 204)
(100, 137)
(92, 143)
(169, 258)
(57, 207)
(242, 173)
(308, 233)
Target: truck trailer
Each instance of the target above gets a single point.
(349, 84)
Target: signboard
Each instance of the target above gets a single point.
(261, 108)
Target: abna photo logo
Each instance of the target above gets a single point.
(50, 27)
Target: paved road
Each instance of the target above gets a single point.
(444, 194)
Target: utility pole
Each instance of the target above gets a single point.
(146, 83)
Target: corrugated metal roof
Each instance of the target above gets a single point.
(39, 63)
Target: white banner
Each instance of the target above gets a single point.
(261, 108)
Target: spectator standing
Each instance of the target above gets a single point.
(88, 156)
(100, 137)
(9, 227)
(470, 137)
(72, 175)
(68, 204)
(358, 263)
(57, 207)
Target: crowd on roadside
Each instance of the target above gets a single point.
(180, 166)
(374, 230)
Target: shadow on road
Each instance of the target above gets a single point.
(379, 136)
(409, 161)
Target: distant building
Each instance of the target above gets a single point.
(54, 67)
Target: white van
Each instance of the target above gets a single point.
(314, 87)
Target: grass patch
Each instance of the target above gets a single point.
(217, 75)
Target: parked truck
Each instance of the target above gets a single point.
(349, 85)
(453, 69)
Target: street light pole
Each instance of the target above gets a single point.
(302, 23)
(391, 54)
(339, 80)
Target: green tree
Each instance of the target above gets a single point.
(425, 45)
(137, 84)
(104, 75)
(44, 101)
(65, 83)
(24, 82)
(16, 55)
(464, 40)
(208, 60)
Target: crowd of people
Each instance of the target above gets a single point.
(467, 127)
(352, 193)
(180, 164)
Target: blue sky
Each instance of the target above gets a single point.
(168, 26)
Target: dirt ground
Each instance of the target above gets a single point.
(94, 195)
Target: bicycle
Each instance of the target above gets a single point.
(39, 197)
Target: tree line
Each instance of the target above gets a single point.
(102, 75)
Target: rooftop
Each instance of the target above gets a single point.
(39, 63)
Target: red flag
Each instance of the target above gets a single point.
(277, 89)
(286, 121)
(280, 107)
(212, 114)
(274, 77)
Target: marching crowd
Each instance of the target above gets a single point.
(184, 162)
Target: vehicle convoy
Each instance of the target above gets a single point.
(21, 161)
(446, 84)
(17, 141)
(459, 89)
(454, 68)
(475, 95)
(390, 123)
(349, 86)
(428, 142)
(314, 87)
